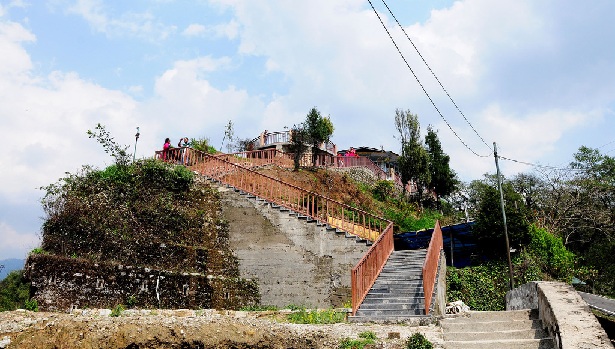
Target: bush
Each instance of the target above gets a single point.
(203, 145)
(418, 341)
(365, 338)
(31, 304)
(551, 253)
(117, 311)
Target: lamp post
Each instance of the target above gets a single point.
(136, 140)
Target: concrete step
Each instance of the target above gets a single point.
(473, 316)
(390, 312)
(537, 333)
(486, 326)
(415, 318)
(391, 306)
(545, 343)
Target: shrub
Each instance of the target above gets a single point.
(365, 338)
(117, 311)
(31, 304)
(418, 341)
(203, 145)
(552, 255)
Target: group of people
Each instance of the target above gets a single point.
(351, 152)
(182, 155)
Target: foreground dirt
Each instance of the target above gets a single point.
(89, 329)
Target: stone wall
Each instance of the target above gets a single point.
(563, 312)
(62, 283)
(293, 262)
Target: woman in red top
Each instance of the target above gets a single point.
(165, 149)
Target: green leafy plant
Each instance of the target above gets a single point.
(418, 341)
(117, 310)
(203, 145)
(365, 338)
(31, 304)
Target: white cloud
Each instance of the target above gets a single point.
(16, 244)
(194, 30)
(142, 25)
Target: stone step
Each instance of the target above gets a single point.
(473, 316)
(390, 312)
(414, 318)
(393, 300)
(392, 306)
(536, 333)
(486, 326)
(545, 343)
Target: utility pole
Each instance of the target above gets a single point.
(511, 283)
(136, 140)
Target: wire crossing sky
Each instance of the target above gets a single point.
(538, 78)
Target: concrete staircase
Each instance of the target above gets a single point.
(518, 329)
(397, 294)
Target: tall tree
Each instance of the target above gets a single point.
(298, 141)
(414, 161)
(489, 227)
(442, 177)
(318, 130)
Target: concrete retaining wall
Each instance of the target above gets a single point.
(293, 262)
(562, 311)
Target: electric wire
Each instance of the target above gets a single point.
(435, 77)
(421, 85)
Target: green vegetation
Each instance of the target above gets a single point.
(117, 310)
(418, 341)
(203, 145)
(314, 131)
(15, 293)
(484, 287)
(329, 316)
(365, 338)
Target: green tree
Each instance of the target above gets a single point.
(442, 178)
(414, 161)
(298, 141)
(14, 291)
(318, 130)
(489, 227)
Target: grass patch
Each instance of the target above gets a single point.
(329, 316)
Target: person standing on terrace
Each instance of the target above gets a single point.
(165, 149)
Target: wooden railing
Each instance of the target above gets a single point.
(259, 158)
(328, 211)
(365, 273)
(430, 265)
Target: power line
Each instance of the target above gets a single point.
(434, 75)
(420, 84)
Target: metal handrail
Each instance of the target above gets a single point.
(366, 271)
(430, 265)
(336, 214)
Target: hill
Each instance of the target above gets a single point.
(10, 265)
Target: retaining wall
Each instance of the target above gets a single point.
(562, 311)
(293, 262)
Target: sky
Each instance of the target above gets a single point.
(536, 77)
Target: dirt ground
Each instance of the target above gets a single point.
(203, 329)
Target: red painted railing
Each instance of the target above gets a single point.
(336, 214)
(365, 273)
(259, 158)
(430, 265)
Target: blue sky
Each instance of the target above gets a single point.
(537, 77)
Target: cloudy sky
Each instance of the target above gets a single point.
(537, 77)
